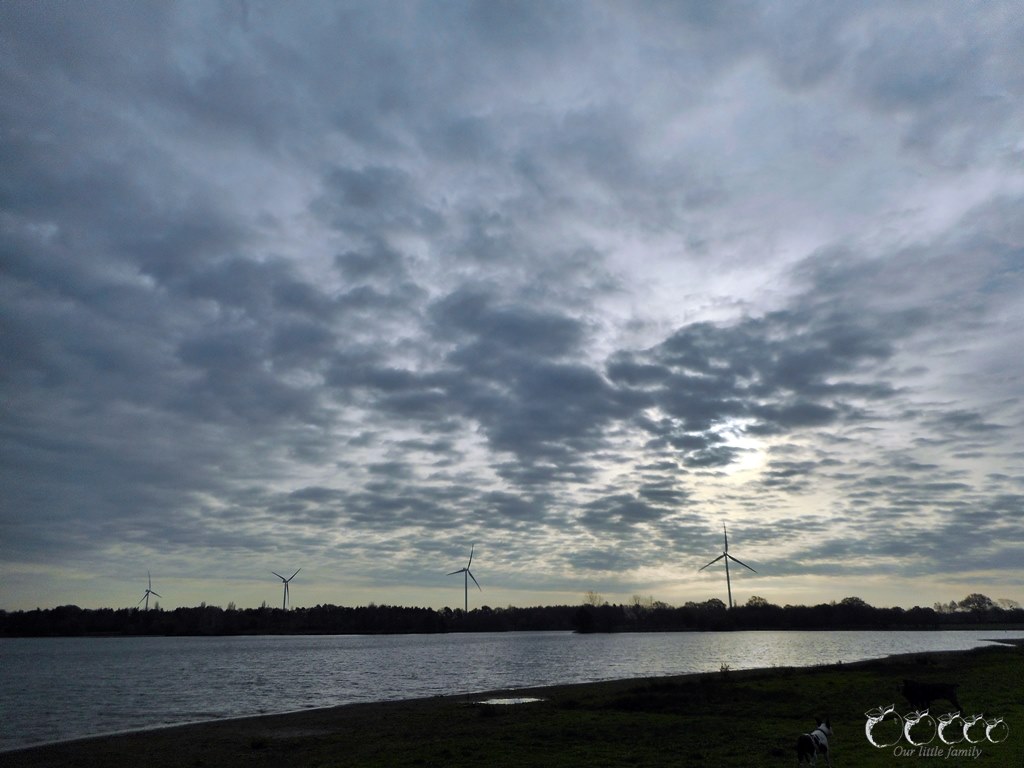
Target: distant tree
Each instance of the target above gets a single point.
(756, 601)
(592, 598)
(714, 604)
(854, 602)
(976, 603)
(644, 603)
(1007, 604)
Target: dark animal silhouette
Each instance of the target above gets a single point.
(921, 695)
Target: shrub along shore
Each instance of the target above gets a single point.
(750, 718)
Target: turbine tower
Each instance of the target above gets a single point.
(727, 557)
(468, 574)
(149, 591)
(284, 600)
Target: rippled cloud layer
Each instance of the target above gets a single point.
(354, 287)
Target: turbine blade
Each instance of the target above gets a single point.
(725, 534)
(741, 563)
(470, 573)
(157, 594)
(458, 571)
(471, 555)
(282, 578)
(140, 601)
(712, 562)
(294, 574)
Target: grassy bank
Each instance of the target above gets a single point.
(743, 718)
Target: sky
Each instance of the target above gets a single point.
(359, 287)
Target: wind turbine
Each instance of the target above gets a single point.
(727, 557)
(149, 591)
(468, 575)
(284, 600)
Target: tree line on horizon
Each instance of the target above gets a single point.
(594, 615)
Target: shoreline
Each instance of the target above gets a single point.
(369, 732)
(530, 690)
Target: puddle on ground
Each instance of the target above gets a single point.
(517, 700)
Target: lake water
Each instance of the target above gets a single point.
(52, 689)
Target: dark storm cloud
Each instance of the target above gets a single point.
(372, 201)
(254, 287)
(958, 422)
(510, 371)
(791, 476)
(784, 372)
(521, 332)
(378, 261)
(620, 511)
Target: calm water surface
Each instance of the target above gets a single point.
(53, 689)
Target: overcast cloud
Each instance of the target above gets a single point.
(353, 287)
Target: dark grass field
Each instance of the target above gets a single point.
(746, 718)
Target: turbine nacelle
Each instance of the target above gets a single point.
(284, 600)
(727, 557)
(468, 575)
(149, 591)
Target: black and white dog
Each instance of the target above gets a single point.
(810, 745)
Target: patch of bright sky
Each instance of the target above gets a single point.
(752, 451)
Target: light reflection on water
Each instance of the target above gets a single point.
(61, 688)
